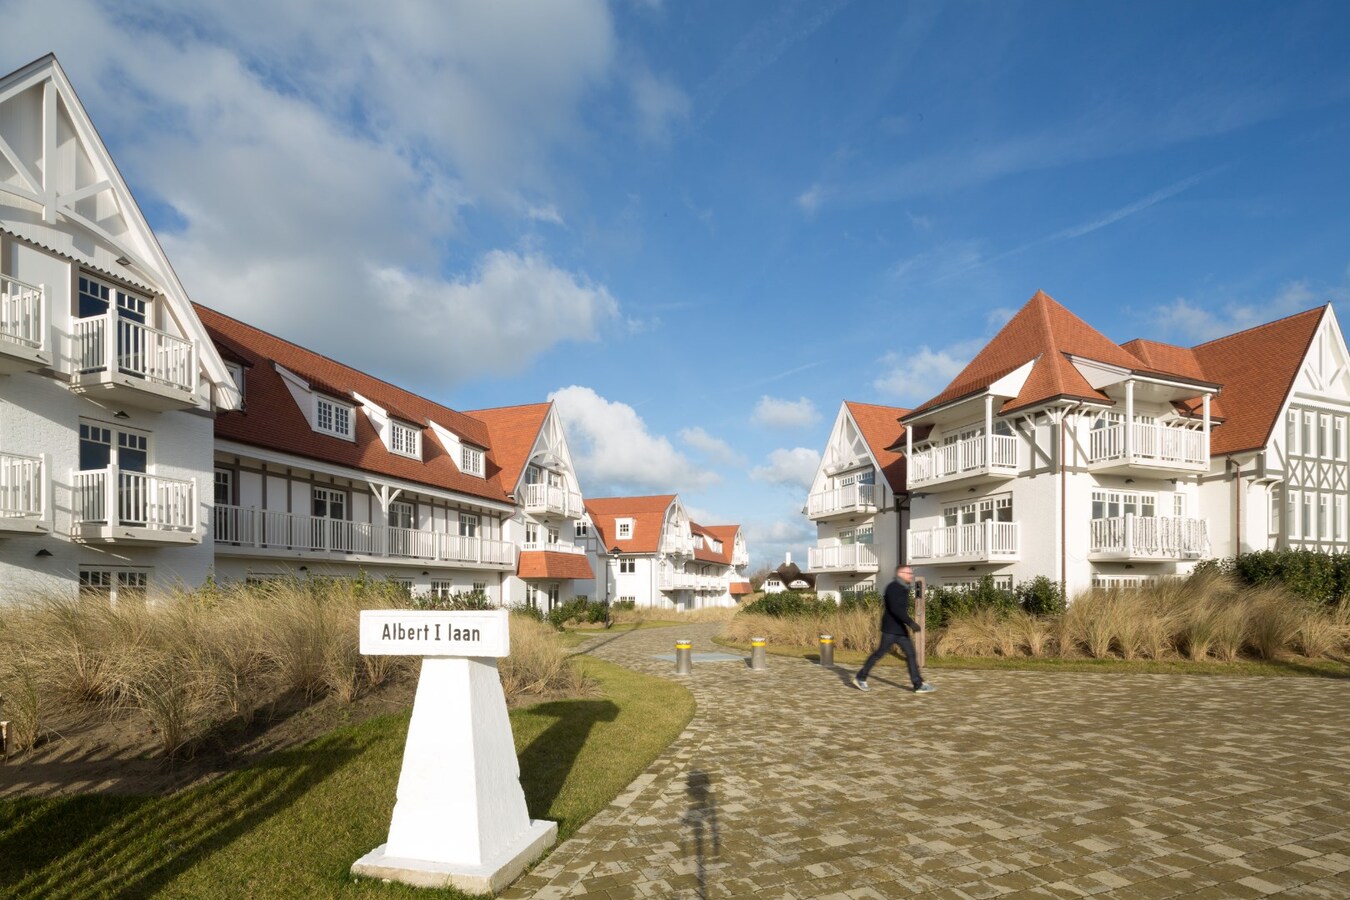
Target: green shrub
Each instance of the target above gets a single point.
(1310, 574)
(851, 600)
(1040, 596)
(790, 603)
(624, 604)
(578, 609)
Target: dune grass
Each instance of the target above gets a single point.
(292, 825)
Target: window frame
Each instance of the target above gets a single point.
(472, 461)
(338, 411)
(405, 440)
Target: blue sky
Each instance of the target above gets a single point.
(701, 225)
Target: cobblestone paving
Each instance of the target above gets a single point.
(790, 783)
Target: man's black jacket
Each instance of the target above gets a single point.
(895, 609)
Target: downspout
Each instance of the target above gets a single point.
(1237, 506)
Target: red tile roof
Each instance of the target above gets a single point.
(648, 515)
(741, 587)
(881, 429)
(724, 533)
(1183, 361)
(1257, 368)
(513, 431)
(549, 564)
(273, 421)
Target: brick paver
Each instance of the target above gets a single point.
(790, 783)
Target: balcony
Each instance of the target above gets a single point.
(555, 547)
(677, 545)
(963, 463)
(981, 542)
(261, 532)
(134, 508)
(1160, 449)
(122, 361)
(670, 580)
(552, 500)
(1149, 538)
(841, 502)
(23, 493)
(23, 327)
(842, 558)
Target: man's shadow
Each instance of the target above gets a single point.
(701, 819)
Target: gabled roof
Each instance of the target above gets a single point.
(273, 421)
(1182, 361)
(724, 533)
(513, 430)
(72, 199)
(648, 515)
(551, 564)
(881, 428)
(1257, 368)
(1043, 331)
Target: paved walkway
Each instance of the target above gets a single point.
(789, 783)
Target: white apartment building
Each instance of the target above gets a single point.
(858, 502)
(328, 472)
(1057, 452)
(108, 381)
(646, 550)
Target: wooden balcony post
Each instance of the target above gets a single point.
(1129, 419)
(988, 431)
(988, 538)
(111, 488)
(110, 339)
(1204, 402)
(1129, 535)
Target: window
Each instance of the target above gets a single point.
(531, 533)
(480, 587)
(332, 417)
(990, 509)
(468, 525)
(1293, 514)
(582, 529)
(237, 376)
(1179, 505)
(1323, 516)
(534, 475)
(442, 590)
(1324, 436)
(1291, 434)
(95, 297)
(1307, 516)
(224, 492)
(1113, 504)
(1337, 437)
(1305, 436)
(623, 529)
(552, 536)
(404, 586)
(1340, 517)
(402, 515)
(627, 600)
(471, 461)
(113, 586)
(554, 593)
(1274, 513)
(405, 441)
(627, 565)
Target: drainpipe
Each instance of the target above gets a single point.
(1237, 505)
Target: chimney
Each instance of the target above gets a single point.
(787, 558)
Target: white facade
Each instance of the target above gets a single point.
(857, 512)
(107, 380)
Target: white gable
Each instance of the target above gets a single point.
(846, 449)
(60, 189)
(551, 451)
(1325, 372)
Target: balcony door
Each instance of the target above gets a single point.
(330, 515)
(101, 448)
(133, 314)
(402, 521)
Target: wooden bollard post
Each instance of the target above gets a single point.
(921, 616)
(827, 649)
(758, 655)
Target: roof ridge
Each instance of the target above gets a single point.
(1320, 309)
(486, 409)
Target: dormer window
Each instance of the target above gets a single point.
(405, 440)
(623, 529)
(332, 417)
(471, 461)
(237, 376)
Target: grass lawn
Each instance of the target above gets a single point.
(1293, 666)
(292, 825)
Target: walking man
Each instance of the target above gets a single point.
(894, 620)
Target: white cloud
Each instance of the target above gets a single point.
(768, 541)
(776, 412)
(320, 166)
(616, 453)
(714, 448)
(659, 104)
(915, 376)
(796, 467)
(1191, 321)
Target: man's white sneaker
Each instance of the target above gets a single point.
(859, 684)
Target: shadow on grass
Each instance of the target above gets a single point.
(1302, 668)
(549, 758)
(134, 846)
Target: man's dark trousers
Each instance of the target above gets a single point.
(888, 641)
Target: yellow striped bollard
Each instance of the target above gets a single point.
(684, 658)
(827, 650)
(759, 661)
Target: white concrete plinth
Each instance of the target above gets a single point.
(460, 818)
(488, 878)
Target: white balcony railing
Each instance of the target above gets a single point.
(945, 461)
(842, 557)
(677, 544)
(1160, 537)
(670, 579)
(555, 547)
(1163, 444)
(21, 313)
(114, 497)
(270, 530)
(548, 498)
(859, 498)
(113, 344)
(981, 541)
(22, 487)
